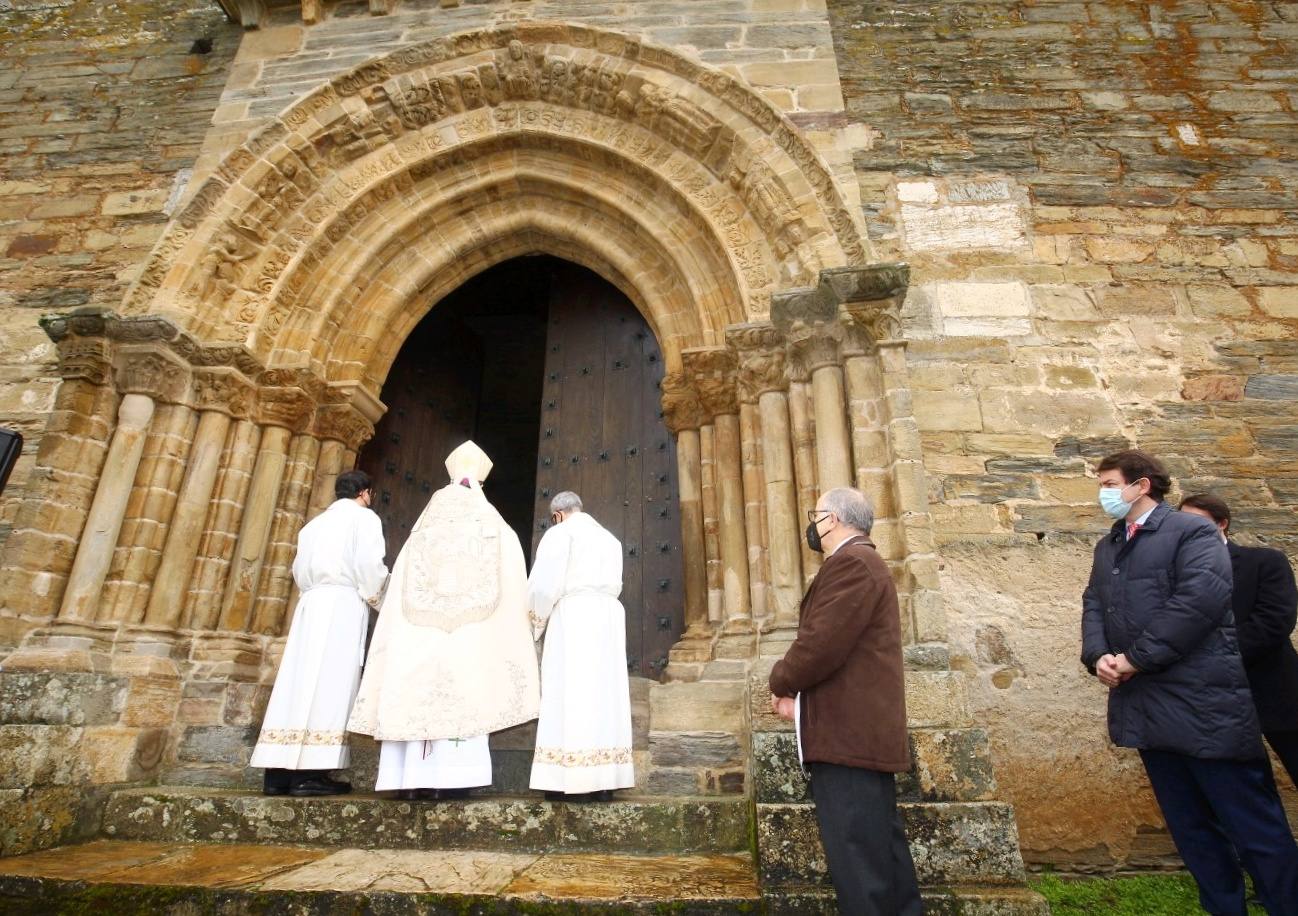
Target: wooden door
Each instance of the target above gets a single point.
(602, 436)
(432, 395)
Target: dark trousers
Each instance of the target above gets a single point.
(865, 843)
(1223, 814)
(1285, 745)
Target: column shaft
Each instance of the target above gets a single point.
(804, 465)
(754, 508)
(711, 522)
(104, 523)
(203, 601)
(148, 513)
(833, 449)
(733, 537)
(254, 529)
(784, 531)
(693, 553)
(269, 611)
(167, 597)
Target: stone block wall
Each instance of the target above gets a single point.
(1095, 201)
(102, 114)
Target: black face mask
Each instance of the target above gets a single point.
(813, 538)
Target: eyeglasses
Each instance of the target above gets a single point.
(815, 516)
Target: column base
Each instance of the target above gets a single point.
(66, 645)
(228, 656)
(741, 645)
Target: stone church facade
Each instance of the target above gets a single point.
(948, 253)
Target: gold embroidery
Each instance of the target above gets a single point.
(302, 736)
(596, 757)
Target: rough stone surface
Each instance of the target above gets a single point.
(196, 815)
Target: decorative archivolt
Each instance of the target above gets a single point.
(681, 152)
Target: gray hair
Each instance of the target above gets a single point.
(567, 501)
(851, 506)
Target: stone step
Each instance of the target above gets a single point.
(162, 879)
(952, 843)
(626, 825)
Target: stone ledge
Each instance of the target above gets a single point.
(676, 825)
(948, 765)
(952, 843)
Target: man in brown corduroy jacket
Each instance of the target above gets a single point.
(841, 682)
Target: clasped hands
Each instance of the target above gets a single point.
(783, 706)
(1113, 670)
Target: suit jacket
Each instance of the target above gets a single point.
(1266, 603)
(846, 662)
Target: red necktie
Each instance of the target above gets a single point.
(1132, 529)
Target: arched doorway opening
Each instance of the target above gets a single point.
(554, 372)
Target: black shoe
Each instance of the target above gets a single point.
(406, 794)
(555, 796)
(276, 781)
(317, 786)
(603, 795)
(450, 794)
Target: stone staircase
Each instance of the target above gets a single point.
(720, 822)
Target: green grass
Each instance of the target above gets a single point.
(1147, 895)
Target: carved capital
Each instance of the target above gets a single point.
(343, 423)
(681, 407)
(141, 329)
(814, 346)
(224, 390)
(152, 371)
(877, 321)
(713, 371)
(88, 358)
(761, 354)
(290, 408)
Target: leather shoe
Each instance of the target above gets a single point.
(276, 781)
(318, 786)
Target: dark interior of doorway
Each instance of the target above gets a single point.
(472, 369)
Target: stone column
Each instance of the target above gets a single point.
(711, 522)
(283, 411)
(811, 322)
(762, 376)
(804, 465)
(713, 373)
(144, 376)
(684, 415)
(41, 548)
(220, 529)
(148, 512)
(338, 429)
(220, 395)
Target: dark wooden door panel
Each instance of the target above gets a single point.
(602, 435)
(432, 397)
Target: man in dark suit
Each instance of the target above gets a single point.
(1158, 631)
(1266, 605)
(841, 682)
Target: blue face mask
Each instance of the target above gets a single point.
(1112, 503)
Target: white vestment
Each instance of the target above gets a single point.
(338, 567)
(583, 738)
(452, 656)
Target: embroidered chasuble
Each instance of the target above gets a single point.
(338, 568)
(452, 655)
(583, 738)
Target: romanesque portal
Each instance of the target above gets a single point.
(197, 426)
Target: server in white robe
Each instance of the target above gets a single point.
(338, 569)
(452, 658)
(583, 738)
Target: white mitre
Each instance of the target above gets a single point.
(468, 462)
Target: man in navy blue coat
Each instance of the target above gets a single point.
(1265, 602)
(1158, 630)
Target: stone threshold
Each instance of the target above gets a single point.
(124, 877)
